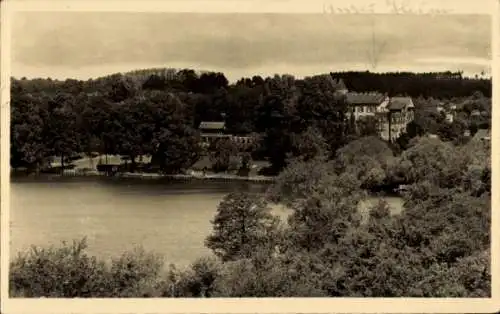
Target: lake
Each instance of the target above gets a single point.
(116, 214)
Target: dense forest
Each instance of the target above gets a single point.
(438, 246)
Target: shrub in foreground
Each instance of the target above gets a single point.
(67, 271)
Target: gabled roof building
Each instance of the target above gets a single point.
(212, 126)
(392, 113)
(213, 130)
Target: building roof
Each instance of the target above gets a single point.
(215, 135)
(398, 103)
(373, 98)
(210, 125)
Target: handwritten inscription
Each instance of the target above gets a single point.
(390, 6)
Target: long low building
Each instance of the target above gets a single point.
(212, 131)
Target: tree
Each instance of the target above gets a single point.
(242, 108)
(155, 82)
(62, 272)
(299, 179)
(93, 113)
(61, 129)
(309, 144)
(121, 87)
(112, 135)
(210, 82)
(368, 126)
(368, 158)
(135, 274)
(426, 121)
(321, 105)
(222, 154)
(28, 147)
(242, 224)
(278, 118)
(138, 123)
(176, 142)
(433, 160)
(285, 276)
(326, 214)
(324, 203)
(452, 132)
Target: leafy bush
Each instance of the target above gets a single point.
(135, 274)
(65, 271)
(196, 281)
(68, 271)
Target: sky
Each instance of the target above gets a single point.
(82, 45)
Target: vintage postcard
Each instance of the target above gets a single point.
(248, 156)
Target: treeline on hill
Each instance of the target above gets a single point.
(442, 85)
(437, 246)
(156, 112)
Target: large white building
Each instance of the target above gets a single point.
(392, 113)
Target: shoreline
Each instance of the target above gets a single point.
(172, 177)
(152, 176)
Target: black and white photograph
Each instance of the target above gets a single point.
(249, 155)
